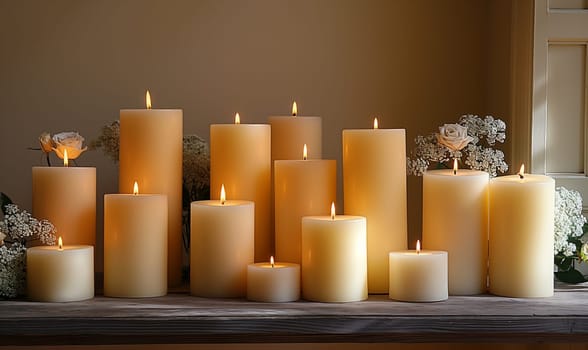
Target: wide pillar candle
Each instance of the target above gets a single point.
(151, 154)
(418, 275)
(521, 236)
(334, 261)
(135, 245)
(66, 196)
(221, 247)
(302, 188)
(374, 186)
(63, 274)
(273, 282)
(240, 159)
(455, 219)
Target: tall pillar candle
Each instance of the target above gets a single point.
(151, 154)
(240, 159)
(302, 188)
(521, 235)
(289, 133)
(135, 245)
(221, 247)
(455, 219)
(334, 258)
(66, 196)
(374, 186)
(60, 273)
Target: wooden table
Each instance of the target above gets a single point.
(181, 319)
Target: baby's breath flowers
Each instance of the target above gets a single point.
(473, 138)
(16, 230)
(569, 229)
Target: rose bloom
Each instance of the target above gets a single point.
(70, 141)
(46, 142)
(453, 136)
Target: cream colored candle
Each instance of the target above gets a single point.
(60, 273)
(302, 188)
(455, 219)
(240, 159)
(135, 245)
(521, 235)
(66, 196)
(334, 261)
(374, 186)
(151, 154)
(273, 282)
(418, 275)
(221, 247)
(289, 133)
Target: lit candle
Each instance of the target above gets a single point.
(334, 262)
(60, 273)
(151, 154)
(290, 132)
(273, 282)
(240, 159)
(66, 196)
(521, 235)
(135, 244)
(374, 186)
(302, 188)
(455, 219)
(418, 275)
(221, 246)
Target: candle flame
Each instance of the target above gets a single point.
(60, 243)
(304, 152)
(65, 158)
(418, 246)
(272, 260)
(332, 210)
(148, 99)
(237, 119)
(223, 195)
(522, 171)
(454, 166)
(135, 188)
(294, 109)
(375, 123)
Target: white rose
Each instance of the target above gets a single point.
(70, 141)
(46, 142)
(453, 136)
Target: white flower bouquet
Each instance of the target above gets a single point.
(569, 230)
(473, 138)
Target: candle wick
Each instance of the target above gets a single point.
(454, 171)
(521, 176)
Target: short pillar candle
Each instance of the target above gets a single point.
(334, 258)
(60, 273)
(274, 282)
(418, 275)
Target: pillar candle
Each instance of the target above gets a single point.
(273, 282)
(418, 275)
(221, 247)
(60, 273)
(374, 186)
(302, 188)
(334, 261)
(240, 159)
(289, 133)
(151, 154)
(66, 196)
(135, 245)
(455, 219)
(521, 235)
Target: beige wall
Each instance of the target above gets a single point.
(71, 65)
